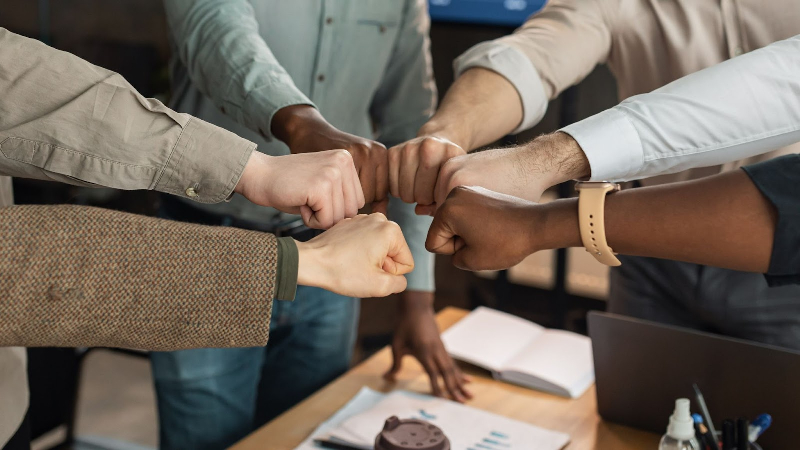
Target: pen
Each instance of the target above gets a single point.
(709, 423)
(334, 445)
(728, 438)
(759, 426)
(698, 420)
(742, 440)
(707, 440)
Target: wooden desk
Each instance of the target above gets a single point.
(576, 417)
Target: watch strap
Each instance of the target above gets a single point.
(591, 219)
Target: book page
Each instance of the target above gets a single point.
(558, 357)
(489, 338)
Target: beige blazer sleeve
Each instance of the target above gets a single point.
(64, 119)
(74, 276)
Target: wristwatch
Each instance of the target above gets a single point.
(591, 219)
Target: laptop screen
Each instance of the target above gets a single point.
(490, 12)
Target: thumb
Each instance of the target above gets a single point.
(396, 267)
(308, 217)
(467, 258)
(387, 284)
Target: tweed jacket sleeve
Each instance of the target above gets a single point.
(83, 277)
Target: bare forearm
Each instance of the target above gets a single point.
(722, 221)
(481, 107)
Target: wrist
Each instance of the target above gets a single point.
(440, 128)
(310, 268)
(416, 302)
(290, 123)
(557, 225)
(254, 173)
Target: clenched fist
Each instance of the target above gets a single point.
(484, 230)
(322, 187)
(304, 130)
(365, 256)
(414, 167)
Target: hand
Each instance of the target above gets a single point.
(524, 171)
(322, 187)
(414, 167)
(418, 335)
(485, 230)
(365, 256)
(304, 130)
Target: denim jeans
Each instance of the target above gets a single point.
(210, 398)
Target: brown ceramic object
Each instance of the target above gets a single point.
(410, 434)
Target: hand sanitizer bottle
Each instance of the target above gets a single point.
(680, 432)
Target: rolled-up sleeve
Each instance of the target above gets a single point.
(779, 181)
(92, 128)
(556, 48)
(219, 43)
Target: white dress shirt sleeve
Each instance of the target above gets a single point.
(515, 67)
(740, 108)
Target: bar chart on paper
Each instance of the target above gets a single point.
(490, 12)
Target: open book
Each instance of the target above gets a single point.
(523, 353)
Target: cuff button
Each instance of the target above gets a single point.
(191, 192)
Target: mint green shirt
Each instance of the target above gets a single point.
(365, 64)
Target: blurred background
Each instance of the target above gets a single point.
(105, 396)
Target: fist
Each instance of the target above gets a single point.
(365, 256)
(414, 167)
(322, 187)
(483, 230)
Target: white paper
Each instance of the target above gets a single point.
(467, 428)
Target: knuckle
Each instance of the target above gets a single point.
(342, 157)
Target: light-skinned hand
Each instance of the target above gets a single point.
(414, 167)
(322, 187)
(305, 130)
(365, 256)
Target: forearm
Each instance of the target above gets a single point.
(77, 276)
(94, 129)
(721, 221)
(481, 107)
(219, 43)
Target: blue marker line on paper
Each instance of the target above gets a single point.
(499, 434)
(493, 442)
(483, 446)
(426, 415)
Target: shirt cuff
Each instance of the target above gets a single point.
(264, 102)
(206, 163)
(777, 179)
(515, 67)
(611, 145)
(288, 263)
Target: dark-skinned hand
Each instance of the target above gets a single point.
(484, 230)
(417, 334)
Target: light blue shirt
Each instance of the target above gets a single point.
(365, 64)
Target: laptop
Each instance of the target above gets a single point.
(641, 367)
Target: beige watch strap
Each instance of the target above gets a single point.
(591, 218)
